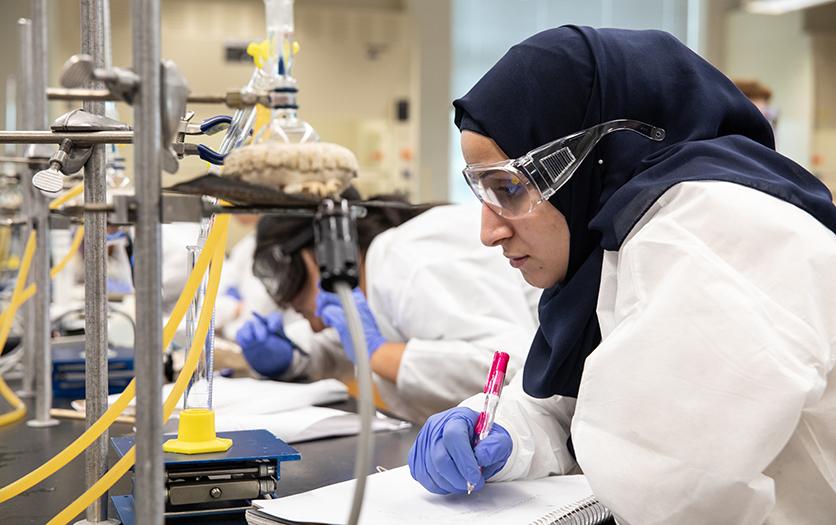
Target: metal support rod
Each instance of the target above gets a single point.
(39, 63)
(104, 95)
(55, 137)
(207, 99)
(43, 350)
(95, 269)
(14, 160)
(101, 95)
(26, 120)
(148, 491)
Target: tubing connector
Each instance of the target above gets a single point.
(335, 234)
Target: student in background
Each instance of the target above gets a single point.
(760, 95)
(242, 292)
(434, 302)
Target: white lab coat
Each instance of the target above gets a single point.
(175, 239)
(712, 397)
(432, 285)
(238, 273)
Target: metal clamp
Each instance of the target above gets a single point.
(72, 156)
(209, 126)
(68, 159)
(80, 70)
(122, 84)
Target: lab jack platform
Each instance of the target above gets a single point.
(218, 485)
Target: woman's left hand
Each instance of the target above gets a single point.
(330, 310)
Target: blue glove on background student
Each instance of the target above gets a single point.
(330, 310)
(234, 292)
(443, 459)
(265, 346)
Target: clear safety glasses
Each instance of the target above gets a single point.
(511, 188)
(275, 271)
(280, 268)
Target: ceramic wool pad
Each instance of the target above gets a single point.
(317, 169)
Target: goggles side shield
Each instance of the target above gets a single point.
(513, 187)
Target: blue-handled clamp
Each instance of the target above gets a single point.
(215, 124)
(209, 155)
(210, 126)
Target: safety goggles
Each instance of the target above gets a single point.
(511, 188)
(268, 267)
(281, 269)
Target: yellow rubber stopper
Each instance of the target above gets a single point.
(260, 51)
(196, 434)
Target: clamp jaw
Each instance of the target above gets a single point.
(70, 156)
(210, 126)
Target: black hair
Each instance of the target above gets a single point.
(280, 240)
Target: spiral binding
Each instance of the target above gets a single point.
(588, 511)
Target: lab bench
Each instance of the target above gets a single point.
(23, 448)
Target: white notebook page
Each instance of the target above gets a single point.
(394, 497)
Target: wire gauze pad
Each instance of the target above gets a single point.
(315, 168)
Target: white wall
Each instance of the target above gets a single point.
(431, 70)
(778, 52)
(483, 30)
(821, 24)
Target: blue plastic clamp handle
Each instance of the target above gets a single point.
(209, 155)
(215, 124)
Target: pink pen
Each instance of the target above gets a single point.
(493, 389)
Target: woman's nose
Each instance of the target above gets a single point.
(494, 229)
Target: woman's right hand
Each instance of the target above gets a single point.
(443, 459)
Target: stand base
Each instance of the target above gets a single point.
(37, 423)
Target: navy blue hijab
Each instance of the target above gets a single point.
(567, 79)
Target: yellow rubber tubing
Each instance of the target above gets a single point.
(58, 268)
(18, 408)
(18, 411)
(74, 246)
(30, 290)
(59, 201)
(126, 462)
(22, 274)
(216, 239)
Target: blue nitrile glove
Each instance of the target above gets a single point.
(234, 292)
(265, 346)
(329, 309)
(443, 460)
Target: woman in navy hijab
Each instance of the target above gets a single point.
(685, 359)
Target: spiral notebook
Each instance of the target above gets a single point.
(394, 497)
